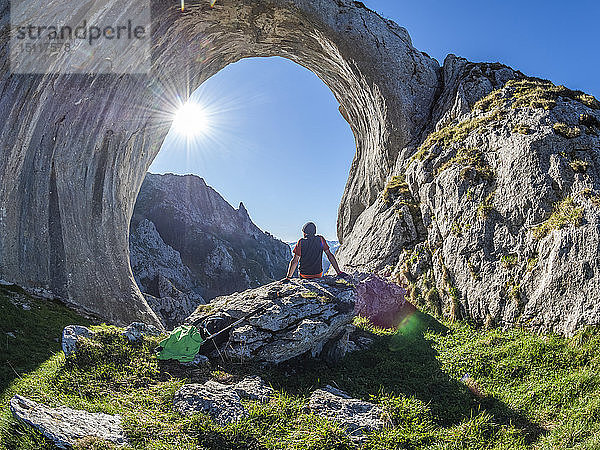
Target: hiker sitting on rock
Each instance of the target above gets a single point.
(309, 252)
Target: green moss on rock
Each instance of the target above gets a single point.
(564, 130)
(565, 213)
(396, 187)
(472, 159)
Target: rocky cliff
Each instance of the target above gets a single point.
(494, 214)
(188, 243)
(499, 195)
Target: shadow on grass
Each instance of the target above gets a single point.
(404, 363)
(30, 331)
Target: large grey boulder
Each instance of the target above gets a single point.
(254, 388)
(136, 331)
(356, 416)
(65, 426)
(295, 318)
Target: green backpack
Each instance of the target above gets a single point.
(182, 344)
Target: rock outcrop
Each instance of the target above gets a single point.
(357, 417)
(65, 426)
(494, 216)
(185, 233)
(222, 402)
(291, 319)
(71, 335)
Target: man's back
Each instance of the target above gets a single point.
(310, 250)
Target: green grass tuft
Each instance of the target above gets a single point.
(510, 260)
(566, 131)
(565, 213)
(396, 187)
(471, 158)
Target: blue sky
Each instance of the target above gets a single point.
(279, 144)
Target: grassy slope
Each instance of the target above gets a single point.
(523, 390)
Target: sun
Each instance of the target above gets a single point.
(192, 119)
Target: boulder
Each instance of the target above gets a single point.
(71, 334)
(137, 330)
(254, 388)
(294, 318)
(220, 401)
(199, 361)
(356, 416)
(65, 426)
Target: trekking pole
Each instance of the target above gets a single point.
(234, 324)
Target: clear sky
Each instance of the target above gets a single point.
(279, 144)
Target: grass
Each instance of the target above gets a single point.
(521, 129)
(442, 386)
(35, 328)
(564, 130)
(579, 165)
(565, 213)
(532, 93)
(510, 260)
(455, 133)
(397, 186)
(471, 158)
(515, 94)
(486, 207)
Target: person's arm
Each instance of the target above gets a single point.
(333, 261)
(292, 266)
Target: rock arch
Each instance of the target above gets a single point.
(74, 148)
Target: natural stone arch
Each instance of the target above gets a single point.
(75, 148)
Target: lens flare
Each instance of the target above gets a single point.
(191, 119)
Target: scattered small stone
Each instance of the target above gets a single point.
(220, 401)
(26, 307)
(137, 330)
(254, 388)
(71, 334)
(356, 416)
(65, 426)
(5, 283)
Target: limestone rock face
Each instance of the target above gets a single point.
(505, 185)
(295, 318)
(75, 148)
(356, 416)
(184, 231)
(67, 194)
(65, 426)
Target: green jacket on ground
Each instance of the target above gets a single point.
(182, 344)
